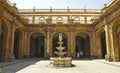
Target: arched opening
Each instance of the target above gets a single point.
(55, 39)
(1, 41)
(82, 45)
(118, 38)
(16, 49)
(37, 45)
(3, 38)
(103, 44)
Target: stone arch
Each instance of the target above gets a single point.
(37, 44)
(55, 44)
(30, 34)
(118, 41)
(86, 32)
(115, 24)
(116, 38)
(82, 45)
(3, 39)
(18, 43)
(101, 43)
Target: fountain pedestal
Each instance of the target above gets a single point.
(60, 61)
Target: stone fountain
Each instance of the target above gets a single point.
(60, 61)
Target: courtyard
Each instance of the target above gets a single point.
(42, 66)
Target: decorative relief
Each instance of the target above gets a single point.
(113, 15)
(101, 24)
(77, 20)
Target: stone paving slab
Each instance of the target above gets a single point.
(110, 63)
(2, 64)
(81, 66)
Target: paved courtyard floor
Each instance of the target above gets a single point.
(81, 66)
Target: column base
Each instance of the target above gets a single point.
(99, 57)
(93, 57)
(47, 55)
(116, 59)
(108, 58)
(0, 70)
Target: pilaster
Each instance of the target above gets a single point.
(70, 49)
(108, 56)
(1, 11)
(21, 43)
(98, 46)
(6, 47)
(93, 47)
(115, 49)
(73, 46)
(25, 51)
(50, 43)
(11, 41)
(47, 44)
(27, 48)
(71, 41)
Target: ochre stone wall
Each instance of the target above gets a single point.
(10, 22)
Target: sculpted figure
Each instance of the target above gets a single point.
(60, 37)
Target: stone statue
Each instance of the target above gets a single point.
(60, 37)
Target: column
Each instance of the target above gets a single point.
(72, 43)
(48, 21)
(11, 41)
(7, 46)
(24, 45)
(27, 45)
(115, 40)
(70, 50)
(70, 21)
(48, 45)
(85, 19)
(98, 46)
(93, 47)
(21, 43)
(108, 56)
(1, 11)
(119, 46)
(33, 17)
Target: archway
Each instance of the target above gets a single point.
(37, 45)
(118, 38)
(3, 38)
(115, 39)
(103, 44)
(55, 44)
(16, 50)
(82, 45)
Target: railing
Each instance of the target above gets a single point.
(60, 22)
(26, 13)
(109, 3)
(9, 3)
(59, 10)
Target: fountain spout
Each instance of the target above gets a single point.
(60, 49)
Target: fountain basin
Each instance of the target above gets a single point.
(61, 62)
